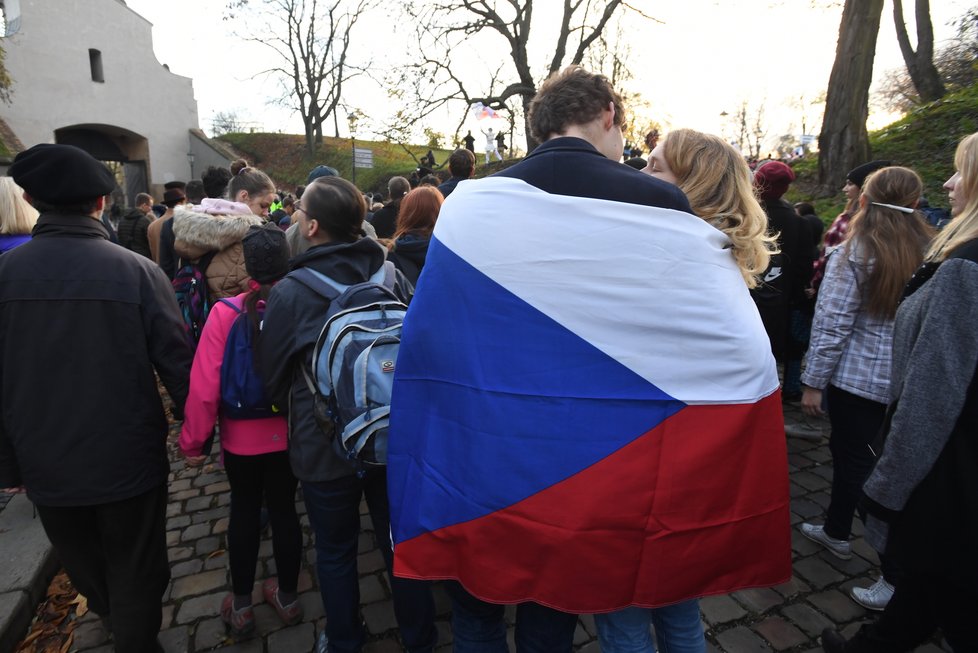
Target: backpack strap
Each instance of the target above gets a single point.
(237, 310)
(317, 282)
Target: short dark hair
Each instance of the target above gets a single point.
(398, 187)
(143, 198)
(573, 96)
(195, 191)
(84, 208)
(804, 208)
(337, 205)
(215, 181)
(461, 163)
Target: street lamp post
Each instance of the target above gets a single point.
(352, 118)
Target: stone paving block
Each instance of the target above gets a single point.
(721, 609)
(195, 532)
(304, 581)
(370, 562)
(220, 526)
(862, 549)
(199, 503)
(741, 640)
(186, 568)
(214, 488)
(15, 617)
(180, 521)
(372, 590)
(183, 495)
(581, 636)
(855, 566)
(177, 553)
(817, 572)
(807, 618)
(780, 634)
(795, 491)
(179, 485)
(758, 600)
(593, 647)
(312, 606)
(805, 508)
(210, 633)
(295, 638)
(89, 635)
(172, 538)
(822, 456)
(217, 559)
(224, 499)
(379, 617)
(839, 607)
(167, 617)
(366, 542)
(207, 545)
(175, 640)
(792, 588)
(173, 509)
(811, 482)
(196, 584)
(587, 620)
(265, 548)
(247, 646)
(200, 607)
(266, 620)
(821, 498)
(801, 545)
(206, 479)
(208, 515)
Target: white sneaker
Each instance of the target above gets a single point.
(839, 548)
(875, 597)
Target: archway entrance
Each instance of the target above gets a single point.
(125, 152)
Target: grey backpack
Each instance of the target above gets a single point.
(353, 361)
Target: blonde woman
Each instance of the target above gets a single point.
(922, 496)
(851, 346)
(17, 217)
(718, 184)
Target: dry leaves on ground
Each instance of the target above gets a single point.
(55, 619)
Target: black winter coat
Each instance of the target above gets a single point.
(83, 326)
(294, 317)
(132, 232)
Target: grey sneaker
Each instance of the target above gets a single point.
(839, 548)
(874, 597)
(322, 643)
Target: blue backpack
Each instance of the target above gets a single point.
(353, 362)
(242, 390)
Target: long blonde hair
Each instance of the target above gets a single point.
(892, 239)
(717, 183)
(16, 215)
(964, 226)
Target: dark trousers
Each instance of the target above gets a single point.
(115, 554)
(855, 424)
(252, 478)
(920, 605)
(334, 514)
(479, 627)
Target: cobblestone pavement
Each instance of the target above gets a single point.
(785, 618)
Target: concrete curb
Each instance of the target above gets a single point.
(27, 565)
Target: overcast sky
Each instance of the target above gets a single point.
(706, 58)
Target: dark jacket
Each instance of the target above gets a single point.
(132, 232)
(293, 320)
(409, 254)
(9, 241)
(83, 327)
(385, 220)
(572, 166)
(782, 287)
(926, 482)
(447, 187)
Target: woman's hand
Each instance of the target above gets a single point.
(811, 402)
(195, 461)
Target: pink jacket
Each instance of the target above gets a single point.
(245, 437)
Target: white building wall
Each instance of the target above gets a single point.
(48, 60)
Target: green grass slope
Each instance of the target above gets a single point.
(285, 159)
(924, 140)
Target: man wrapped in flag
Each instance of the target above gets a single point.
(585, 413)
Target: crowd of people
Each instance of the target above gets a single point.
(586, 347)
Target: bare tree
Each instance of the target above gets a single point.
(6, 83)
(225, 122)
(920, 63)
(444, 26)
(311, 40)
(843, 142)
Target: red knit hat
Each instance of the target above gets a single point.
(772, 179)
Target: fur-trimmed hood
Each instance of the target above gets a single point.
(211, 232)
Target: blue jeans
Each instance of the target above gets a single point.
(677, 629)
(479, 627)
(334, 514)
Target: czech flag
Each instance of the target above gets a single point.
(585, 409)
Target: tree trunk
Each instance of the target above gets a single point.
(843, 142)
(310, 136)
(920, 64)
(531, 143)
